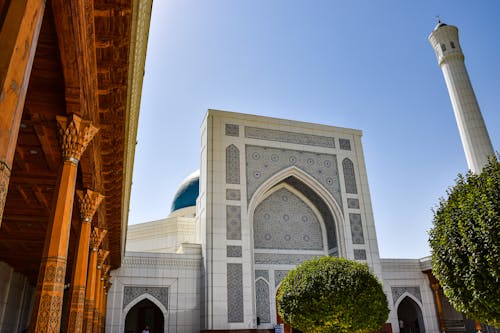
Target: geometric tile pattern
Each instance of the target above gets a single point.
(278, 276)
(349, 176)
(233, 251)
(320, 205)
(352, 203)
(131, 293)
(233, 222)
(344, 144)
(263, 162)
(232, 165)
(283, 259)
(233, 194)
(356, 229)
(234, 293)
(262, 301)
(359, 254)
(232, 130)
(291, 137)
(284, 221)
(398, 291)
(262, 273)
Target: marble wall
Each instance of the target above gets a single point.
(171, 281)
(249, 225)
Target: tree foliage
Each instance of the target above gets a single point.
(330, 294)
(465, 244)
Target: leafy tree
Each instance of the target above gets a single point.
(330, 294)
(465, 244)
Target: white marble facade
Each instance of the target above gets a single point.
(302, 191)
(272, 193)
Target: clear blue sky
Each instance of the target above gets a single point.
(357, 64)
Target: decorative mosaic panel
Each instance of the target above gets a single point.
(359, 254)
(262, 301)
(262, 273)
(352, 203)
(290, 137)
(132, 293)
(349, 176)
(398, 291)
(263, 162)
(284, 221)
(345, 144)
(278, 277)
(232, 194)
(320, 205)
(356, 229)
(233, 222)
(232, 165)
(233, 251)
(283, 259)
(234, 293)
(232, 130)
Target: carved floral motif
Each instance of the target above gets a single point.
(74, 134)
(4, 186)
(89, 202)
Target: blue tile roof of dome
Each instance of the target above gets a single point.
(188, 192)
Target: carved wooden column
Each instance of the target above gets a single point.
(18, 40)
(89, 202)
(107, 285)
(102, 304)
(437, 298)
(75, 134)
(88, 312)
(103, 254)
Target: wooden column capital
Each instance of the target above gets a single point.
(96, 238)
(74, 135)
(89, 202)
(4, 185)
(105, 271)
(101, 258)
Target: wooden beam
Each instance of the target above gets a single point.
(67, 49)
(18, 40)
(42, 133)
(74, 22)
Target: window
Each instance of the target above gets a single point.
(443, 47)
(452, 45)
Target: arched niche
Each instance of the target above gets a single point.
(145, 310)
(410, 319)
(313, 194)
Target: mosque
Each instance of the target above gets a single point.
(270, 194)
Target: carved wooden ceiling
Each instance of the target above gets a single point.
(81, 66)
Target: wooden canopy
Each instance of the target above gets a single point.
(88, 61)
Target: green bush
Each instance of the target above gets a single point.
(332, 295)
(465, 244)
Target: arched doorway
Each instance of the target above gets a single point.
(144, 313)
(410, 317)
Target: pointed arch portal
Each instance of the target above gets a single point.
(144, 313)
(317, 196)
(410, 316)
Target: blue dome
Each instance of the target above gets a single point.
(188, 192)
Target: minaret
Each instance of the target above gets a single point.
(475, 139)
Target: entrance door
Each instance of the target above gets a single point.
(410, 317)
(145, 313)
